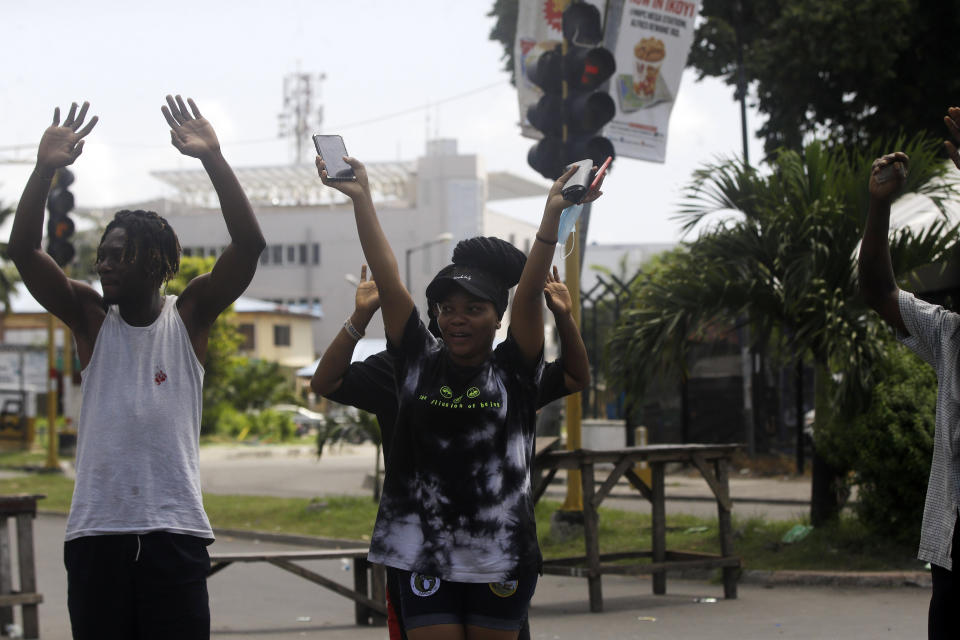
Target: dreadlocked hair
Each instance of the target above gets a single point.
(497, 257)
(152, 235)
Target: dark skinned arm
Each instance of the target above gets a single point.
(877, 281)
(78, 305)
(395, 300)
(206, 296)
(576, 365)
(526, 315)
(336, 359)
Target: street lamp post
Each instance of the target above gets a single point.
(443, 237)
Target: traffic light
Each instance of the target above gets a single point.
(573, 109)
(587, 66)
(545, 69)
(59, 225)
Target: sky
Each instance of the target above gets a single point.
(430, 61)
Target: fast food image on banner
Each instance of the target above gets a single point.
(652, 46)
(539, 24)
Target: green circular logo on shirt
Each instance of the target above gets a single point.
(446, 392)
(473, 392)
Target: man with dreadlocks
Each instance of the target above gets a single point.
(137, 534)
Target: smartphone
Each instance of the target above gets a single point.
(600, 173)
(331, 150)
(576, 186)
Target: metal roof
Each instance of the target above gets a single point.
(290, 185)
(293, 185)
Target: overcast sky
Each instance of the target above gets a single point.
(380, 58)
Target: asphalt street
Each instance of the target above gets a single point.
(260, 601)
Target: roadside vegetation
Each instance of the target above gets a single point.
(842, 545)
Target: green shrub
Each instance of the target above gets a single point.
(272, 424)
(230, 421)
(890, 445)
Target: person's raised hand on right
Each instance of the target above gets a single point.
(62, 144)
(887, 176)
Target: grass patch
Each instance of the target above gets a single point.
(843, 546)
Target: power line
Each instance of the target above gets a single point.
(343, 127)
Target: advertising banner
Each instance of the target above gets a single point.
(653, 41)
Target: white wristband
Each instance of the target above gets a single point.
(351, 330)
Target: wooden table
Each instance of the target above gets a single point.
(23, 509)
(712, 462)
(368, 595)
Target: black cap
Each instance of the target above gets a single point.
(473, 280)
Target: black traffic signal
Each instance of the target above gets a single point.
(545, 68)
(587, 66)
(59, 225)
(573, 109)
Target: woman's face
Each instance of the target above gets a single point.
(468, 325)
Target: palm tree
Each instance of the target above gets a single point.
(784, 263)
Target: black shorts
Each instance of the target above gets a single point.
(127, 586)
(426, 601)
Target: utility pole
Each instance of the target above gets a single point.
(302, 113)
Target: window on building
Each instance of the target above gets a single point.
(303, 302)
(276, 254)
(291, 254)
(526, 245)
(187, 252)
(316, 253)
(513, 239)
(302, 250)
(246, 332)
(281, 335)
(212, 252)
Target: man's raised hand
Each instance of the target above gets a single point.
(61, 144)
(190, 133)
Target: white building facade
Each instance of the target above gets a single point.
(313, 254)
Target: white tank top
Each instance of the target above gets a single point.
(139, 430)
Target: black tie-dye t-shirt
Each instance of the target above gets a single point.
(457, 500)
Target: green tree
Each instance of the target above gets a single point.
(859, 70)
(891, 444)
(259, 384)
(8, 273)
(222, 358)
(783, 262)
(504, 30)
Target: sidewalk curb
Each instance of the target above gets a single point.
(783, 578)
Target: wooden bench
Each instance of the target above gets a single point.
(710, 460)
(369, 580)
(23, 509)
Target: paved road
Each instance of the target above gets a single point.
(259, 601)
(296, 472)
